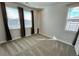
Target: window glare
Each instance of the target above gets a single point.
(27, 15)
(13, 18)
(73, 13)
(12, 13)
(28, 19)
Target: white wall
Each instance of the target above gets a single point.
(2, 31)
(53, 23)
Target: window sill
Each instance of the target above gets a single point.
(71, 31)
(18, 28)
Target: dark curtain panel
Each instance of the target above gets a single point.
(76, 37)
(32, 29)
(5, 20)
(22, 25)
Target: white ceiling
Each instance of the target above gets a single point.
(43, 4)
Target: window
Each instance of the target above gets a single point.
(72, 23)
(28, 19)
(13, 18)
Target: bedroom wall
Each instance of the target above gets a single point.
(2, 31)
(53, 23)
(16, 32)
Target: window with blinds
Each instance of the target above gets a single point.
(72, 23)
(27, 19)
(13, 18)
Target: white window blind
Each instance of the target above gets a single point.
(13, 18)
(27, 19)
(72, 22)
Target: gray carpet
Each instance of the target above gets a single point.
(36, 45)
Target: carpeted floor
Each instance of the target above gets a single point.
(36, 45)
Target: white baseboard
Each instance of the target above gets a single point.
(62, 41)
(2, 42)
(55, 38)
(65, 42)
(28, 35)
(76, 50)
(16, 38)
(45, 35)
